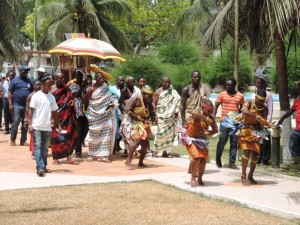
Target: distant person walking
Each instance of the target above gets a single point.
(19, 89)
(42, 108)
(10, 75)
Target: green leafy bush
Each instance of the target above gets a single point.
(219, 67)
(179, 53)
(148, 67)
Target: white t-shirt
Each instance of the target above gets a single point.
(43, 105)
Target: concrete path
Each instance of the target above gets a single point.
(278, 195)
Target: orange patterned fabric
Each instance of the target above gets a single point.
(196, 129)
(195, 152)
(246, 139)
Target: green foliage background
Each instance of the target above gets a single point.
(178, 60)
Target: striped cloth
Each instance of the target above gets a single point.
(230, 103)
(168, 104)
(101, 121)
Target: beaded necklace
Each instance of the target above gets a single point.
(254, 107)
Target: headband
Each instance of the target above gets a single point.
(207, 107)
(260, 97)
(147, 89)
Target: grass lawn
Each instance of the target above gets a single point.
(140, 203)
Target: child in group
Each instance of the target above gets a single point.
(196, 139)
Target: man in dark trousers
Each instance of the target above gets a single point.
(19, 89)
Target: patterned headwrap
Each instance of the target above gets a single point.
(147, 89)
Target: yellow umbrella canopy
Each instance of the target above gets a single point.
(87, 47)
(95, 69)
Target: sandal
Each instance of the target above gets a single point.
(55, 162)
(105, 160)
(73, 162)
(89, 159)
(154, 154)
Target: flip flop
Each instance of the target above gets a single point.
(105, 160)
(72, 162)
(154, 154)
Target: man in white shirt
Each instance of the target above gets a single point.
(41, 109)
(265, 152)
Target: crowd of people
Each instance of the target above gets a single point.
(61, 115)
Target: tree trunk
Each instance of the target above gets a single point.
(143, 41)
(236, 43)
(281, 69)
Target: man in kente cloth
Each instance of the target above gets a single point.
(252, 133)
(196, 139)
(191, 98)
(166, 102)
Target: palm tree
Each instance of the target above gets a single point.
(9, 32)
(262, 24)
(82, 16)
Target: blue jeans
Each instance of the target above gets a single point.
(41, 144)
(19, 114)
(295, 143)
(222, 142)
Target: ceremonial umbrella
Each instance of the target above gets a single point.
(87, 47)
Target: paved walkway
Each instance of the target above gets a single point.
(278, 195)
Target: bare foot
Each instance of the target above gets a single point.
(129, 165)
(244, 181)
(142, 165)
(193, 183)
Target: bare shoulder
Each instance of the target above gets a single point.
(158, 91)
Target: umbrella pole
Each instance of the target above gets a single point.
(87, 65)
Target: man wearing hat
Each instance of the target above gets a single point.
(295, 134)
(40, 72)
(19, 89)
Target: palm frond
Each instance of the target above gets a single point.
(117, 8)
(217, 29)
(50, 12)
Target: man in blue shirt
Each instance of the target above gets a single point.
(19, 89)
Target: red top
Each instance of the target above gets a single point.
(296, 107)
